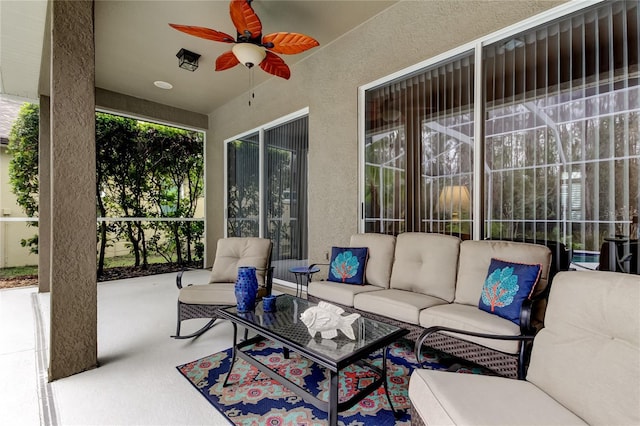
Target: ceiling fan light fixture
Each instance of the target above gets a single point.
(187, 59)
(249, 54)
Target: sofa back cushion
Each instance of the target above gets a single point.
(588, 355)
(475, 258)
(381, 249)
(236, 251)
(427, 263)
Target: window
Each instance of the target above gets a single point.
(267, 189)
(559, 157)
(561, 131)
(419, 150)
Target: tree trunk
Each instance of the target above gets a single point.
(176, 237)
(134, 243)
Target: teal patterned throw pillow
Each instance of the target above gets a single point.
(348, 264)
(507, 285)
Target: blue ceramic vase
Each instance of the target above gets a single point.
(246, 288)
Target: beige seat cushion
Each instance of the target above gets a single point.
(208, 294)
(338, 292)
(381, 248)
(470, 318)
(400, 305)
(234, 252)
(426, 263)
(444, 398)
(588, 355)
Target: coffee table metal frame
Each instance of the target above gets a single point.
(284, 327)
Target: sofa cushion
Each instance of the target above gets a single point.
(347, 265)
(381, 250)
(400, 305)
(445, 398)
(427, 264)
(588, 355)
(338, 292)
(470, 318)
(208, 294)
(507, 285)
(234, 252)
(475, 258)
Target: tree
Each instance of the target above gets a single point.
(115, 159)
(23, 165)
(176, 173)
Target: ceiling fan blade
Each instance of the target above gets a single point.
(202, 32)
(245, 19)
(226, 60)
(273, 64)
(289, 43)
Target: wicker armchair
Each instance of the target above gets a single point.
(203, 301)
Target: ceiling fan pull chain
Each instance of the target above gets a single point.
(251, 94)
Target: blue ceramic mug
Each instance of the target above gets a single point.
(269, 303)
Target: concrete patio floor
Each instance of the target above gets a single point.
(136, 381)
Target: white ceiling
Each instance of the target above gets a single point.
(135, 45)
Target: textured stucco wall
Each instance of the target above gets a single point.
(327, 82)
(73, 341)
(44, 196)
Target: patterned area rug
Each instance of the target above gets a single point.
(255, 399)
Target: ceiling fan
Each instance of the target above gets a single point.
(250, 46)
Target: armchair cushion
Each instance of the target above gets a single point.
(446, 398)
(234, 252)
(507, 285)
(348, 265)
(208, 294)
(591, 336)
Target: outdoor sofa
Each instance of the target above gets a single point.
(584, 367)
(431, 284)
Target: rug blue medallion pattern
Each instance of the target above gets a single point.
(252, 398)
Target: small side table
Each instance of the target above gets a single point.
(303, 275)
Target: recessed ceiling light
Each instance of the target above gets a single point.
(163, 85)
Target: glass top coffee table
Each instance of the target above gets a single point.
(285, 327)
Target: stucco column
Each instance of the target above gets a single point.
(73, 343)
(44, 197)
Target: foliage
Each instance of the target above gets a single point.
(23, 165)
(150, 170)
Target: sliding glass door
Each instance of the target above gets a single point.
(243, 187)
(267, 190)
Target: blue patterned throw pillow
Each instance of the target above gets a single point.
(507, 285)
(348, 264)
